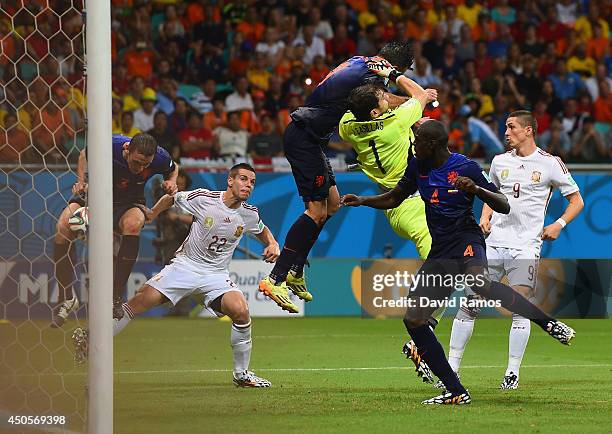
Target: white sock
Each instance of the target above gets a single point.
(463, 326)
(119, 325)
(519, 336)
(241, 346)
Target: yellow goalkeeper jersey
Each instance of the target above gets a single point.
(382, 144)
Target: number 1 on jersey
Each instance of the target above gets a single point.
(378, 163)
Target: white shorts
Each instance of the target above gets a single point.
(519, 265)
(182, 278)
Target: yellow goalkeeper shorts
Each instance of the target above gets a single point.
(408, 221)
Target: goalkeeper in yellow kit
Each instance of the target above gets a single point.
(382, 138)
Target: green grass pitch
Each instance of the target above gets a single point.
(348, 375)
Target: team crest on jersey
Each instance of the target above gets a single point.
(504, 174)
(209, 222)
(319, 180)
(239, 230)
(452, 177)
(536, 176)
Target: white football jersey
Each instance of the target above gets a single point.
(216, 229)
(528, 183)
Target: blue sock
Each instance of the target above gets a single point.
(432, 352)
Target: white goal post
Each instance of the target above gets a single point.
(99, 155)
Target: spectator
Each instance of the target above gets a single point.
(143, 117)
(267, 143)
(553, 102)
(271, 46)
(585, 24)
(140, 59)
(603, 105)
(466, 50)
(211, 30)
(342, 17)
(282, 118)
(450, 65)
(468, 12)
(251, 27)
(422, 74)
(196, 141)
(322, 28)
(165, 137)
(503, 13)
(592, 83)
(581, 63)
(499, 45)
(171, 28)
(117, 110)
(566, 9)
(217, 116)
(493, 84)
(258, 75)
(572, 118)
(204, 61)
(14, 143)
(178, 118)
(341, 47)
(555, 140)
(127, 124)
(240, 99)
(313, 44)
(418, 28)
(202, 101)
(485, 29)
(542, 117)
(485, 101)
(434, 48)
(589, 146)
(451, 24)
(597, 46)
(275, 99)
(483, 62)
(232, 140)
(318, 71)
(551, 30)
(528, 81)
(481, 135)
(166, 94)
(367, 42)
(131, 101)
(532, 44)
(566, 84)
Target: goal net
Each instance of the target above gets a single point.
(42, 130)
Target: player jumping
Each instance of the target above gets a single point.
(201, 264)
(382, 139)
(305, 136)
(448, 183)
(135, 161)
(527, 176)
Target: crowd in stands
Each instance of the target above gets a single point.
(220, 78)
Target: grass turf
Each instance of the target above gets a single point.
(348, 375)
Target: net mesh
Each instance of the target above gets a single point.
(42, 131)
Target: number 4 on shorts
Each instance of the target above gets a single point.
(468, 251)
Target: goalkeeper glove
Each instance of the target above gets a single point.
(381, 67)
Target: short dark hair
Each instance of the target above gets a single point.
(434, 130)
(526, 119)
(399, 54)
(362, 100)
(235, 168)
(144, 144)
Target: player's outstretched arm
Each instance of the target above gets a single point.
(80, 186)
(388, 200)
(575, 205)
(272, 250)
(169, 184)
(164, 202)
(497, 201)
(485, 219)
